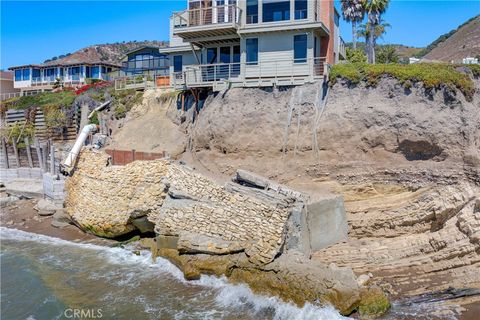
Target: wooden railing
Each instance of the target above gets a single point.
(202, 16)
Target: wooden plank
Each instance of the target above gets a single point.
(29, 152)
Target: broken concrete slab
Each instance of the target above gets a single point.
(25, 188)
(327, 222)
(190, 242)
(166, 242)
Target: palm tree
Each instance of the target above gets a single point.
(353, 11)
(380, 30)
(374, 9)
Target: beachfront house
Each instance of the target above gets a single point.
(252, 43)
(70, 72)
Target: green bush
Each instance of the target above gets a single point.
(356, 56)
(58, 99)
(432, 75)
(387, 54)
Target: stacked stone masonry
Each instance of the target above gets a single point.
(104, 199)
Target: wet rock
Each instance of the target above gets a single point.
(61, 219)
(363, 279)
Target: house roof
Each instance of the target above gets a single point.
(141, 48)
(6, 75)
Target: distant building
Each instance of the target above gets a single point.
(70, 70)
(470, 60)
(7, 89)
(253, 43)
(413, 60)
(146, 60)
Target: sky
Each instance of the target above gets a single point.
(33, 31)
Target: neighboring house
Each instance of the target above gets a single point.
(145, 60)
(222, 43)
(470, 60)
(7, 89)
(70, 71)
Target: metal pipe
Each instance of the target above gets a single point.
(68, 164)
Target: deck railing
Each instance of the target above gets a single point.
(275, 70)
(9, 95)
(142, 82)
(342, 48)
(160, 64)
(229, 13)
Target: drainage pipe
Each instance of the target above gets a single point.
(68, 164)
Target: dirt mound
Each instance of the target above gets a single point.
(151, 126)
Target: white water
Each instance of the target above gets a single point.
(225, 296)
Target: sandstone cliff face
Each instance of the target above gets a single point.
(389, 132)
(407, 162)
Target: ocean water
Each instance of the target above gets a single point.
(48, 278)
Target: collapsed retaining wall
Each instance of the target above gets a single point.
(243, 230)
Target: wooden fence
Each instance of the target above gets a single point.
(123, 157)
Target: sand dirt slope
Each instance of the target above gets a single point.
(149, 127)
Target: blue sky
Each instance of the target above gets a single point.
(32, 31)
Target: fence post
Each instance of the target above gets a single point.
(44, 157)
(52, 158)
(4, 148)
(133, 155)
(39, 153)
(29, 152)
(15, 152)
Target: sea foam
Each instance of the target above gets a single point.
(227, 295)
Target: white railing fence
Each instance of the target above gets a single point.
(229, 13)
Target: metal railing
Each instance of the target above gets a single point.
(9, 95)
(285, 70)
(142, 82)
(229, 13)
(160, 64)
(342, 48)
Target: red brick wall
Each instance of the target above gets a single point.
(327, 15)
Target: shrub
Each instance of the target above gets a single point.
(356, 56)
(387, 54)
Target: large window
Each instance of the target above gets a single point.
(95, 72)
(211, 55)
(300, 48)
(177, 63)
(36, 74)
(252, 51)
(26, 74)
(225, 55)
(301, 9)
(252, 11)
(18, 75)
(276, 10)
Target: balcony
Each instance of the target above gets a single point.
(252, 74)
(208, 23)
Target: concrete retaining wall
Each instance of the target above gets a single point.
(54, 188)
